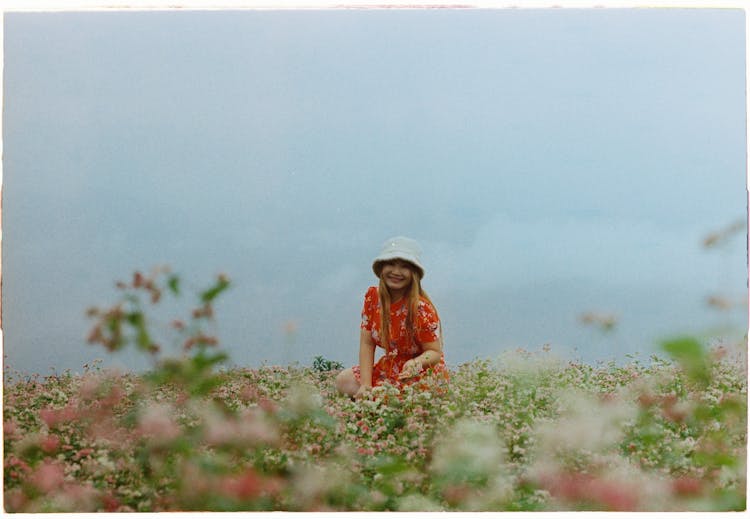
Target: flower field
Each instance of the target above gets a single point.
(528, 433)
(525, 431)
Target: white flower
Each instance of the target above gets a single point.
(313, 483)
(156, 422)
(417, 503)
(471, 446)
(527, 367)
(585, 424)
(303, 399)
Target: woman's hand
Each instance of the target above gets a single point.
(362, 392)
(411, 369)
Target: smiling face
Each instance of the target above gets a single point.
(397, 275)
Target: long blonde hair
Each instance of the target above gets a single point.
(412, 304)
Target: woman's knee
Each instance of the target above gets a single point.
(346, 382)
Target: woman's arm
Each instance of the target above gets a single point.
(366, 360)
(431, 354)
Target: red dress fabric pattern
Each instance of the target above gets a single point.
(403, 347)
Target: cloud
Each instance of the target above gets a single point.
(617, 252)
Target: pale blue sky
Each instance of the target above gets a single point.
(551, 162)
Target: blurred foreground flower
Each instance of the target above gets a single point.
(468, 466)
(722, 236)
(605, 322)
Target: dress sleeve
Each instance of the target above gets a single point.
(369, 308)
(428, 323)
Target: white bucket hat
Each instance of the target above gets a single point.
(399, 247)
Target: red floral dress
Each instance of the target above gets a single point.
(403, 347)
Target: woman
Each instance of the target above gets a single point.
(399, 317)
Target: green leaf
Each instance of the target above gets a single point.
(143, 338)
(201, 361)
(390, 465)
(174, 284)
(138, 321)
(204, 386)
(135, 319)
(210, 294)
(689, 353)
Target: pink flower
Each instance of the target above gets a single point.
(245, 486)
(50, 443)
(268, 405)
(53, 417)
(110, 503)
(15, 500)
(157, 423)
(10, 430)
(83, 453)
(314, 448)
(80, 497)
(178, 325)
(456, 494)
(290, 327)
(48, 477)
(14, 462)
(577, 487)
(687, 486)
(48, 416)
(114, 397)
